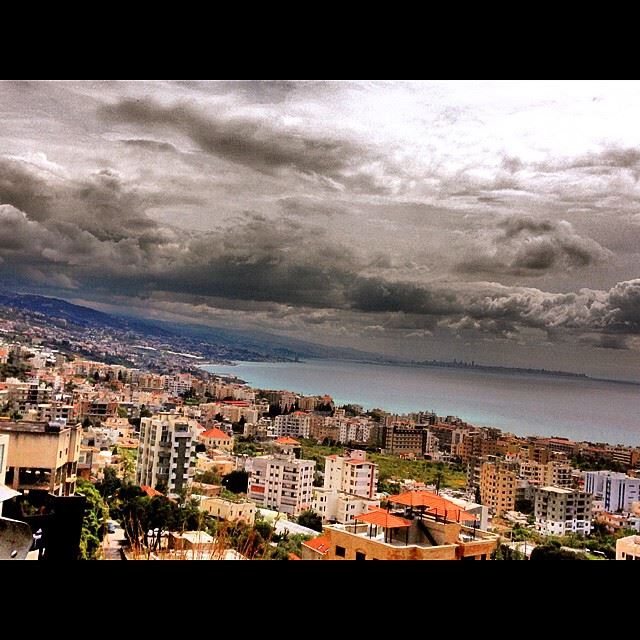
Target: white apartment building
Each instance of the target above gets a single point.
(340, 507)
(167, 451)
(350, 487)
(618, 491)
(352, 474)
(294, 425)
(559, 511)
(280, 482)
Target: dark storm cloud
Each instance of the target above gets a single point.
(525, 245)
(255, 143)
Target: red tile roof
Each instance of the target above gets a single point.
(218, 434)
(383, 519)
(320, 544)
(287, 440)
(433, 502)
(150, 491)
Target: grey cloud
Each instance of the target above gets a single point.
(257, 144)
(150, 145)
(524, 245)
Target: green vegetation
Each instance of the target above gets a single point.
(553, 551)
(94, 521)
(394, 468)
(310, 519)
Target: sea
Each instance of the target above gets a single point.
(523, 404)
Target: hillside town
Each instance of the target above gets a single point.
(104, 460)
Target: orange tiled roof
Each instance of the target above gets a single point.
(293, 556)
(383, 519)
(150, 491)
(320, 544)
(216, 433)
(286, 440)
(433, 502)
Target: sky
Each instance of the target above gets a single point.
(495, 221)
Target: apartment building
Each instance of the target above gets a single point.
(553, 473)
(42, 455)
(293, 425)
(351, 473)
(498, 485)
(280, 482)
(167, 451)
(617, 491)
(350, 487)
(399, 438)
(559, 511)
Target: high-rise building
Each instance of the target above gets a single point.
(618, 491)
(167, 451)
(498, 485)
(560, 511)
(280, 482)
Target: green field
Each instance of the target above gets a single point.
(392, 467)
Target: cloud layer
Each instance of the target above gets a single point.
(398, 212)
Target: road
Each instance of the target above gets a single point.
(112, 543)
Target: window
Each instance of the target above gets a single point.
(340, 551)
(360, 555)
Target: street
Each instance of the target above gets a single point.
(112, 543)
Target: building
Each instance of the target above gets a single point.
(420, 526)
(42, 455)
(618, 491)
(350, 487)
(351, 473)
(293, 425)
(281, 482)
(498, 485)
(243, 511)
(554, 472)
(401, 438)
(216, 439)
(167, 451)
(340, 507)
(628, 548)
(4, 450)
(559, 511)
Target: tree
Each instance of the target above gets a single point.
(236, 481)
(122, 412)
(209, 477)
(310, 519)
(553, 551)
(110, 483)
(96, 376)
(95, 517)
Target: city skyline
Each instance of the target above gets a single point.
(495, 221)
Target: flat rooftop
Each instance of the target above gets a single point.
(556, 490)
(28, 427)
